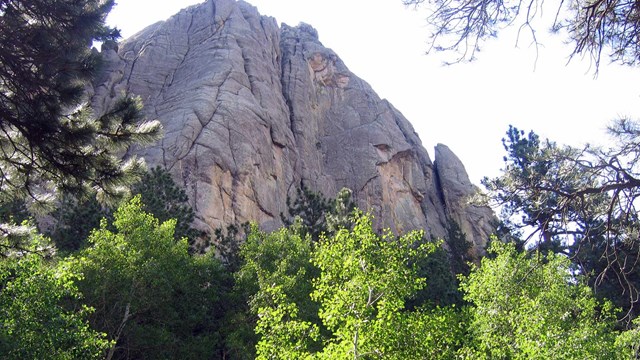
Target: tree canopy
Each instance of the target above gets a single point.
(152, 298)
(580, 202)
(136, 292)
(351, 302)
(75, 216)
(344, 296)
(531, 307)
(38, 319)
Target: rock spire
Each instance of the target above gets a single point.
(252, 110)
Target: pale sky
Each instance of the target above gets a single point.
(465, 106)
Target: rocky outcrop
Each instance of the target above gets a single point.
(457, 193)
(252, 110)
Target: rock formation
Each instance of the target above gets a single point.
(252, 110)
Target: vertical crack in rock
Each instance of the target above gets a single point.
(438, 186)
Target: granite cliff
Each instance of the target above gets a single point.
(252, 110)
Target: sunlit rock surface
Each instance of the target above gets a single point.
(252, 110)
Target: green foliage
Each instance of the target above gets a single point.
(579, 202)
(74, 220)
(15, 228)
(163, 198)
(238, 327)
(239, 322)
(310, 208)
(19, 240)
(530, 166)
(364, 281)
(349, 301)
(278, 260)
(459, 248)
(227, 243)
(318, 215)
(38, 318)
(440, 269)
(340, 214)
(281, 257)
(284, 334)
(611, 273)
(50, 138)
(151, 297)
(442, 286)
(14, 211)
(628, 342)
(533, 307)
(75, 217)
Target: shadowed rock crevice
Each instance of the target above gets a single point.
(252, 109)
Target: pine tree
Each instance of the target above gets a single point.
(49, 137)
(579, 202)
(74, 220)
(313, 214)
(14, 211)
(163, 198)
(340, 213)
(75, 217)
(227, 242)
(310, 207)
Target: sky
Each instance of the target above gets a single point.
(466, 106)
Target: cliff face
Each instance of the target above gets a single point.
(252, 110)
